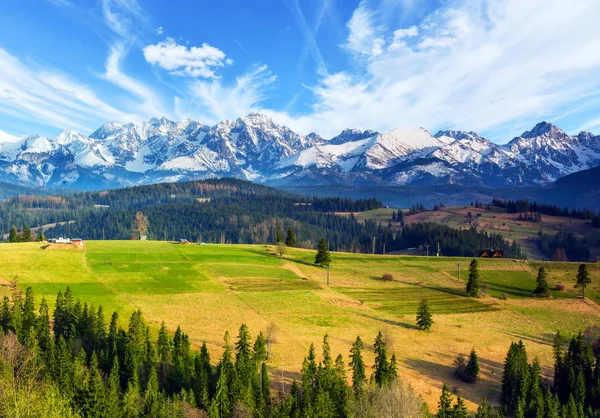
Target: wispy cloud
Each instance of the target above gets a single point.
(151, 103)
(465, 66)
(180, 60)
(213, 101)
(309, 34)
(50, 97)
(122, 16)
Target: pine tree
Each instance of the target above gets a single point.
(359, 375)
(28, 311)
(290, 240)
(445, 403)
(26, 236)
(515, 377)
(94, 404)
(265, 383)
(542, 289)
(132, 400)
(152, 398)
(40, 235)
(323, 258)
(13, 236)
(583, 279)
(113, 401)
(42, 327)
(473, 283)
(5, 314)
(279, 234)
(472, 369)
(382, 366)
(459, 410)
(424, 317)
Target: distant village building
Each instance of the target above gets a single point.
(492, 254)
(77, 241)
(143, 237)
(60, 240)
(183, 241)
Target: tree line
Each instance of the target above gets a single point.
(525, 206)
(74, 363)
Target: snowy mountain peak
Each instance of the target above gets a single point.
(543, 129)
(256, 148)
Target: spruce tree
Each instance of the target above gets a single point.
(279, 234)
(5, 314)
(26, 237)
(424, 317)
(13, 236)
(290, 239)
(265, 383)
(28, 311)
(359, 375)
(323, 258)
(113, 401)
(542, 289)
(583, 279)
(382, 366)
(40, 235)
(459, 410)
(472, 368)
(445, 403)
(473, 283)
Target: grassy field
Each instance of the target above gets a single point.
(497, 221)
(212, 288)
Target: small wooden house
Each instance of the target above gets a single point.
(492, 254)
(184, 241)
(78, 242)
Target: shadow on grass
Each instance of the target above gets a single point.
(391, 322)
(543, 339)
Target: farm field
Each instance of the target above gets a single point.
(213, 288)
(497, 221)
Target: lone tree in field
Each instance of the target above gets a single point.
(323, 257)
(473, 283)
(583, 279)
(543, 289)
(281, 249)
(140, 224)
(290, 239)
(424, 318)
(472, 370)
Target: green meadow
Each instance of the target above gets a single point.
(213, 288)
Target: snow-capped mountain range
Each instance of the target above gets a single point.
(258, 149)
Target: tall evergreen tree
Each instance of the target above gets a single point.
(113, 400)
(473, 282)
(445, 403)
(359, 374)
(459, 410)
(13, 236)
(381, 368)
(323, 258)
(583, 279)
(542, 289)
(472, 369)
(424, 317)
(290, 239)
(279, 234)
(26, 236)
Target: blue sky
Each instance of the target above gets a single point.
(496, 67)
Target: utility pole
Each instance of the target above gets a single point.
(373, 251)
(384, 248)
(427, 247)
(459, 272)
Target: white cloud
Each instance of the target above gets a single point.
(159, 30)
(151, 103)
(6, 137)
(122, 16)
(362, 36)
(483, 65)
(180, 60)
(47, 96)
(213, 101)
